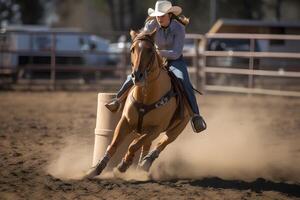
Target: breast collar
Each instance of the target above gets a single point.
(143, 109)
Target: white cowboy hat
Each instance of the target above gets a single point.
(163, 7)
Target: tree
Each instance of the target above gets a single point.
(32, 11)
(21, 11)
(9, 13)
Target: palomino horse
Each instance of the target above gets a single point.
(149, 108)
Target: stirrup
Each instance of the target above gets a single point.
(198, 124)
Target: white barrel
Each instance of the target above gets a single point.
(104, 131)
(105, 126)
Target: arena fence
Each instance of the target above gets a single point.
(254, 70)
(198, 52)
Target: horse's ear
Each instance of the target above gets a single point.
(133, 34)
(152, 34)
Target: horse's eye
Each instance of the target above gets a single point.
(132, 50)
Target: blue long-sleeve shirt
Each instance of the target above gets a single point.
(170, 40)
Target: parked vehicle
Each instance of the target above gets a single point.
(189, 49)
(32, 45)
(229, 45)
(117, 50)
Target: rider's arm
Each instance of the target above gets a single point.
(177, 47)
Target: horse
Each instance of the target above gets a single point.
(149, 108)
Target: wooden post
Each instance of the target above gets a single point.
(251, 63)
(196, 63)
(53, 60)
(124, 59)
(203, 66)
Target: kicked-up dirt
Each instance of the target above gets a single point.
(251, 150)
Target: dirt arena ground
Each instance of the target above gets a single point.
(251, 150)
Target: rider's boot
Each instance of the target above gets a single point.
(114, 105)
(198, 123)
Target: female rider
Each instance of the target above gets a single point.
(169, 39)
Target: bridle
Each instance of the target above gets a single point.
(148, 68)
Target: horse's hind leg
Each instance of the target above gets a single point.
(171, 135)
(122, 130)
(145, 150)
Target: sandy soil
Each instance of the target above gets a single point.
(250, 151)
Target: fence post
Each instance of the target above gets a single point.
(53, 60)
(196, 62)
(203, 65)
(251, 63)
(2, 50)
(28, 69)
(124, 59)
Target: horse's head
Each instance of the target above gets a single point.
(142, 53)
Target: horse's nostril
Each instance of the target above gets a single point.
(132, 75)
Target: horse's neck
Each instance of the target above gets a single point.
(156, 86)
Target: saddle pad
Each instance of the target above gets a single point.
(178, 89)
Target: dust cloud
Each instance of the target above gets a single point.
(72, 161)
(241, 143)
(238, 144)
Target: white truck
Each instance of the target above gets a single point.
(22, 46)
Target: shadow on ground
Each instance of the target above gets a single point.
(259, 185)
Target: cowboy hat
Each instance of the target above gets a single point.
(163, 7)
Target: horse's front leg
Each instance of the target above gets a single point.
(142, 141)
(171, 135)
(122, 130)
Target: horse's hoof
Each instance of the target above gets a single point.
(145, 165)
(123, 166)
(95, 171)
(91, 173)
(148, 160)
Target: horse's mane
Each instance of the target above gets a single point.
(141, 34)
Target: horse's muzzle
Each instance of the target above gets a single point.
(138, 77)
